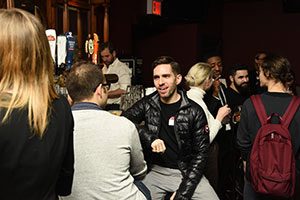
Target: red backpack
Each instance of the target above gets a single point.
(272, 160)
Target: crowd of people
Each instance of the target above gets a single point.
(190, 142)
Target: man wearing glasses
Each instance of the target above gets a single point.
(109, 158)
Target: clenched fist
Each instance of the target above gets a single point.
(158, 146)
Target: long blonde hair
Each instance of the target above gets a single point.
(198, 74)
(26, 68)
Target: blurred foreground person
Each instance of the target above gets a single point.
(36, 126)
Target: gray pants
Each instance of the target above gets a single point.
(162, 180)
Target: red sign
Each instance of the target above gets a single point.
(156, 7)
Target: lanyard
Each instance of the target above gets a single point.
(222, 96)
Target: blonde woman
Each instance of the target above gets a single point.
(36, 126)
(199, 79)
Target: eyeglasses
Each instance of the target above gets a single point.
(106, 85)
(103, 85)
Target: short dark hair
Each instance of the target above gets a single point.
(82, 80)
(259, 53)
(108, 45)
(208, 55)
(236, 67)
(167, 60)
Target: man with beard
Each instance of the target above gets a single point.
(238, 91)
(112, 65)
(175, 137)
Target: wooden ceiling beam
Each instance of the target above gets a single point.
(99, 2)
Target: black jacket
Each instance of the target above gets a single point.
(191, 133)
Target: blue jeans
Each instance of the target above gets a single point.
(143, 189)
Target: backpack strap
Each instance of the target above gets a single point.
(290, 111)
(259, 108)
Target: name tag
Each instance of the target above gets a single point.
(171, 121)
(227, 127)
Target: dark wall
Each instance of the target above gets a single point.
(252, 26)
(184, 37)
(122, 17)
(238, 28)
(178, 41)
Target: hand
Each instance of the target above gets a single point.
(216, 87)
(223, 112)
(173, 196)
(158, 146)
(70, 101)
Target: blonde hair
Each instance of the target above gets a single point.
(198, 74)
(26, 68)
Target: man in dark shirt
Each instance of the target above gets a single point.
(175, 137)
(238, 91)
(215, 98)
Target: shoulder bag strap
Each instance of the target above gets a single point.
(259, 108)
(290, 111)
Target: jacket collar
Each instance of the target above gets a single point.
(85, 106)
(184, 99)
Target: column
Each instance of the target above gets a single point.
(10, 4)
(106, 22)
(66, 17)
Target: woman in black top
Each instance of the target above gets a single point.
(274, 74)
(36, 126)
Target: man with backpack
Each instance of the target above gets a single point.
(269, 144)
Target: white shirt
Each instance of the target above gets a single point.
(197, 94)
(124, 74)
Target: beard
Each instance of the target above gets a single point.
(107, 63)
(243, 89)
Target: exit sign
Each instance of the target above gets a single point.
(154, 7)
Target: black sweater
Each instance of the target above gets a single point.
(249, 124)
(32, 168)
